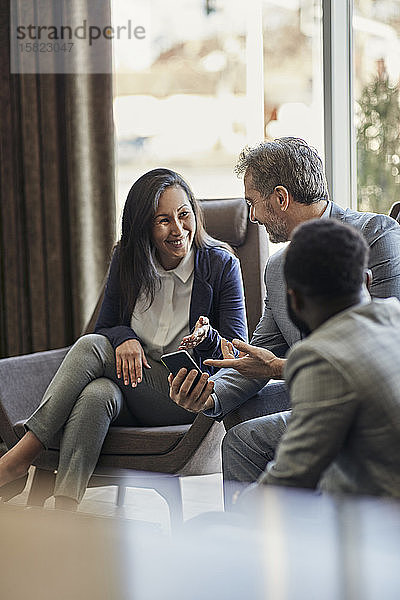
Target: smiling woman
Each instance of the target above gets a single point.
(169, 284)
(173, 228)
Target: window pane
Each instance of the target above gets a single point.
(184, 105)
(197, 94)
(293, 81)
(377, 109)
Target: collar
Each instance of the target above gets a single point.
(365, 301)
(183, 271)
(327, 212)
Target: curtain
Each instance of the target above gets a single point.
(57, 215)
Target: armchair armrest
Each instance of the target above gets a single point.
(23, 381)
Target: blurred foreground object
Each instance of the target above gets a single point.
(285, 544)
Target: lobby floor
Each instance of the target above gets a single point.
(200, 494)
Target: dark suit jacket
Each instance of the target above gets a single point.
(217, 293)
(276, 332)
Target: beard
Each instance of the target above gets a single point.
(277, 237)
(297, 322)
(276, 228)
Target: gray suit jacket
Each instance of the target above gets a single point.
(276, 332)
(344, 383)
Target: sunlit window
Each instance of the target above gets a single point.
(293, 82)
(377, 108)
(213, 76)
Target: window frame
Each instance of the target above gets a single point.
(339, 133)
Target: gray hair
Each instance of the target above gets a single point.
(289, 162)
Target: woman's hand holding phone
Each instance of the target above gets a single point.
(129, 361)
(189, 387)
(199, 334)
(194, 399)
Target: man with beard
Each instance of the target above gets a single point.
(285, 186)
(344, 428)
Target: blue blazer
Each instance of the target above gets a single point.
(217, 293)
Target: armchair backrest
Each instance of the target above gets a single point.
(227, 219)
(395, 211)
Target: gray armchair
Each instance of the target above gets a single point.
(395, 211)
(150, 457)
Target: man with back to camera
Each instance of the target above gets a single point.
(285, 185)
(343, 379)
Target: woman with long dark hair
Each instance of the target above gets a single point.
(170, 285)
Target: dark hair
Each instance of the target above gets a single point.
(286, 161)
(137, 271)
(326, 257)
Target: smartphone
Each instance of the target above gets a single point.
(181, 360)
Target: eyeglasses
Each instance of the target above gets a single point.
(251, 206)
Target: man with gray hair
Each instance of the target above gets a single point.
(343, 434)
(285, 186)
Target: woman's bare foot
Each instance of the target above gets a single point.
(10, 473)
(16, 462)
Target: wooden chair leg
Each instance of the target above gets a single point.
(42, 487)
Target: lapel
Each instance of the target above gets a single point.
(277, 283)
(202, 292)
(278, 303)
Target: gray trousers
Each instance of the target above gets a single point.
(85, 397)
(248, 447)
(272, 398)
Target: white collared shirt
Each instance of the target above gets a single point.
(161, 327)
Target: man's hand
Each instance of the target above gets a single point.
(129, 361)
(252, 361)
(199, 334)
(199, 398)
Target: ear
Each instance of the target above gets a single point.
(282, 197)
(296, 299)
(368, 278)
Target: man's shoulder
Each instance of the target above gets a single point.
(276, 260)
(347, 335)
(370, 224)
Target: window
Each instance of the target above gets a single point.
(215, 75)
(376, 29)
(293, 84)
